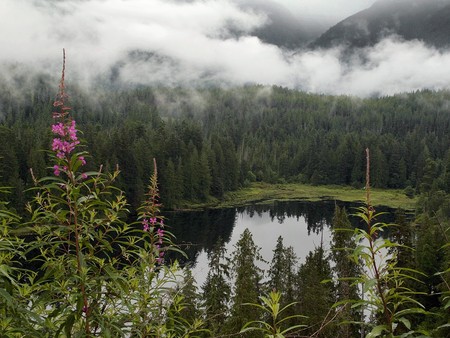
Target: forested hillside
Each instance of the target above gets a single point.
(81, 268)
(209, 141)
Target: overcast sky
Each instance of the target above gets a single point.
(191, 41)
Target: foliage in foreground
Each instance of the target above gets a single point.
(81, 270)
(78, 269)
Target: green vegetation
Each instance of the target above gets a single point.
(95, 265)
(265, 193)
(208, 142)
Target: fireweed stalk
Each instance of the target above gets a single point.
(96, 274)
(64, 144)
(65, 132)
(76, 217)
(156, 276)
(152, 222)
(387, 296)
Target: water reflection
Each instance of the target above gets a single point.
(303, 225)
(315, 214)
(197, 231)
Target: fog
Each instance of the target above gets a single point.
(173, 43)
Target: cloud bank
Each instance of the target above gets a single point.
(168, 42)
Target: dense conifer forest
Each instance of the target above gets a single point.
(209, 141)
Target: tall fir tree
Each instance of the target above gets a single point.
(216, 289)
(247, 285)
(190, 303)
(281, 277)
(342, 245)
(316, 297)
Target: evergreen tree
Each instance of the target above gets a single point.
(447, 174)
(281, 278)
(342, 245)
(204, 175)
(276, 274)
(190, 303)
(216, 289)
(430, 172)
(316, 297)
(403, 233)
(247, 284)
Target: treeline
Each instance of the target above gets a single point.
(236, 280)
(99, 275)
(209, 141)
(318, 288)
(413, 276)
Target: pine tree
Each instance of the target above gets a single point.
(247, 285)
(281, 277)
(315, 296)
(190, 310)
(216, 289)
(342, 245)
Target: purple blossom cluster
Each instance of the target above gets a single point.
(65, 142)
(147, 225)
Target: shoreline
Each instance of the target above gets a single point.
(264, 193)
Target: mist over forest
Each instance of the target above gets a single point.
(169, 105)
(234, 91)
(224, 43)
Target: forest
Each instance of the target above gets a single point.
(72, 264)
(209, 141)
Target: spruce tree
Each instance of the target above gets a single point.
(316, 297)
(247, 285)
(281, 277)
(216, 289)
(190, 309)
(342, 245)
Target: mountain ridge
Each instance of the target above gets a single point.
(424, 20)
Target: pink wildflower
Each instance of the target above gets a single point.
(56, 170)
(82, 159)
(145, 224)
(160, 233)
(160, 259)
(72, 132)
(84, 176)
(58, 129)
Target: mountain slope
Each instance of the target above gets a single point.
(284, 28)
(426, 20)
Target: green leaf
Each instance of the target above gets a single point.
(7, 297)
(405, 322)
(447, 305)
(369, 284)
(414, 310)
(4, 270)
(69, 324)
(377, 331)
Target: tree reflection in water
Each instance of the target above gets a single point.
(303, 225)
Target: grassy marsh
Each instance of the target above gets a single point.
(265, 193)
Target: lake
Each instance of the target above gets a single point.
(303, 225)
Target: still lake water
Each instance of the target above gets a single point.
(303, 225)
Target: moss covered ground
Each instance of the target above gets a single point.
(266, 193)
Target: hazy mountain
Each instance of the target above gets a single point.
(426, 20)
(284, 28)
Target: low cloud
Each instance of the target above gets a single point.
(390, 67)
(195, 43)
